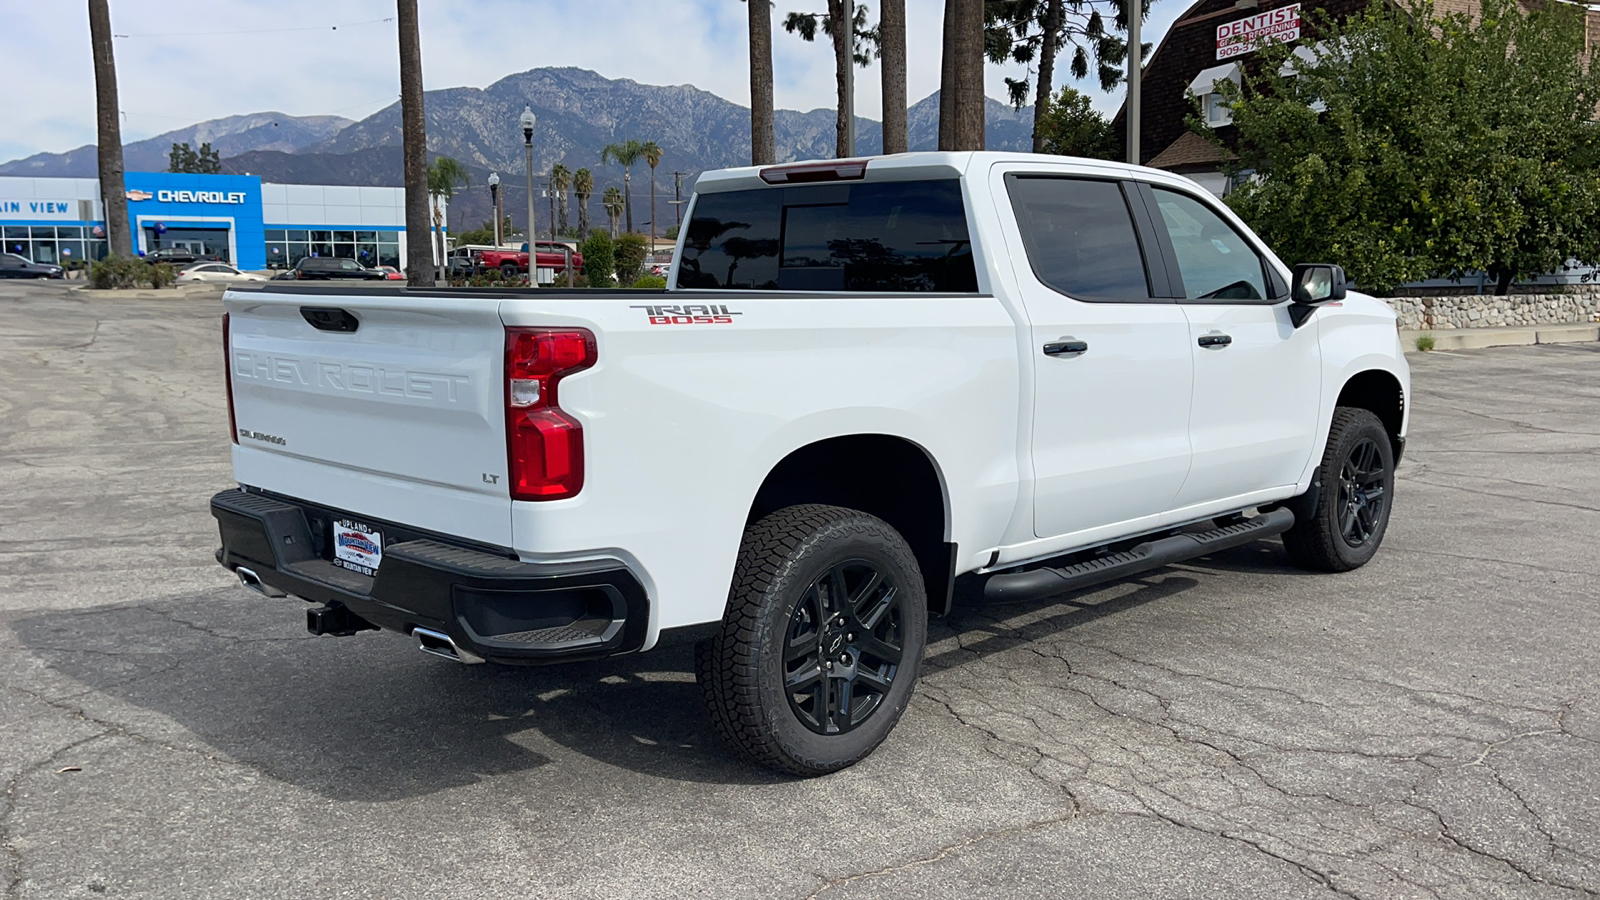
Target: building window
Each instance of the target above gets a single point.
(1204, 89)
(1217, 111)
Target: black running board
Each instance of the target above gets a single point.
(1036, 583)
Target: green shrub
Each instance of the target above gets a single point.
(630, 254)
(159, 275)
(652, 282)
(1425, 342)
(599, 259)
(116, 272)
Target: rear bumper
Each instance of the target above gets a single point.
(488, 602)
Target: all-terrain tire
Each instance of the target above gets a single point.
(787, 565)
(1351, 515)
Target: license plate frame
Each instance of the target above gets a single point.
(357, 546)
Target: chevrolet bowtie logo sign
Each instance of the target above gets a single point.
(138, 195)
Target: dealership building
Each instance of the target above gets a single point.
(239, 218)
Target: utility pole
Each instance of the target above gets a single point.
(677, 196)
(1135, 75)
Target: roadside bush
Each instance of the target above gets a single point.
(630, 254)
(599, 260)
(159, 275)
(651, 282)
(116, 272)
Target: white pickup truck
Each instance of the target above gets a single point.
(868, 377)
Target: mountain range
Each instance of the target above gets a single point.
(579, 112)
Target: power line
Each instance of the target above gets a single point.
(255, 30)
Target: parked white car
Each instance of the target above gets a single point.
(217, 272)
(866, 380)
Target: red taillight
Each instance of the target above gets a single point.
(544, 445)
(227, 374)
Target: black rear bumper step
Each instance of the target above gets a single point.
(497, 607)
(1034, 584)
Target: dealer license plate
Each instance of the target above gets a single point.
(357, 547)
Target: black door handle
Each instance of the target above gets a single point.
(1066, 348)
(1215, 340)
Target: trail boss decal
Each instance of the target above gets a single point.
(689, 314)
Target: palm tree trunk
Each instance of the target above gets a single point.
(961, 97)
(583, 217)
(113, 190)
(1047, 70)
(627, 196)
(414, 140)
(892, 28)
(762, 139)
(842, 61)
(652, 209)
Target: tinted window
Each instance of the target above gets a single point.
(7, 261)
(1214, 260)
(1080, 237)
(897, 236)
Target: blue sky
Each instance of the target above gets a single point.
(185, 61)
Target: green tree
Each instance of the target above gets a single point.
(859, 49)
(1023, 31)
(614, 203)
(652, 155)
(582, 190)
(625, 154)
(561, 182)
(184, 158)
(1405, 152)
(444, 176)
(630, 253)
(1071, 126)
(599, 260)
(483, 234)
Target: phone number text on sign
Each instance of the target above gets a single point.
(1243, 36)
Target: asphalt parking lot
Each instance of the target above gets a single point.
(1426, 727)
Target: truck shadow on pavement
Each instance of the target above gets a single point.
(368, 718)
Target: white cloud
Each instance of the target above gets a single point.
(169, 77)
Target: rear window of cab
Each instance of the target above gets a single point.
(889, 237)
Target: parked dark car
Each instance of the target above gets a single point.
(14, 266)
(179, 256)
(327, 268)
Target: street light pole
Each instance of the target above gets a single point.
(528, 119)
(1135, 75)
(494, 204)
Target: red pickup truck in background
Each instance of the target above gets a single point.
(514, 262)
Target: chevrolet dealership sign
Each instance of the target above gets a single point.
(1241, 36)
(165, 196)
(24, 210)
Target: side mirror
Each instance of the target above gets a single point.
(1317, 283)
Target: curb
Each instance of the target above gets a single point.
(1512, 336)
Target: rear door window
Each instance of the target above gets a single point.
(874, 237)
(1080, 237)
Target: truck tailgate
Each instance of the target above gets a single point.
(400, 419)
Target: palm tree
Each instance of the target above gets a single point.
(652, 155)
(625, 154)
(443, 176)
(848, 46)
(892, 53)
(414, 142)
(114, 200)
(614, 202)
(762, 140)
(560, 182)
(582, 188)
(961, 95)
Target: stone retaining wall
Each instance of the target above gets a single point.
(1487, 311)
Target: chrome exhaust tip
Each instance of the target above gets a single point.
(251, 580)
(440, 644)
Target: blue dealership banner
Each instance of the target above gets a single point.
(174, 200)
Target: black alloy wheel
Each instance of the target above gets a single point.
(1362, 495)
(844, 646)
(821, 641)
(1340, 524)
